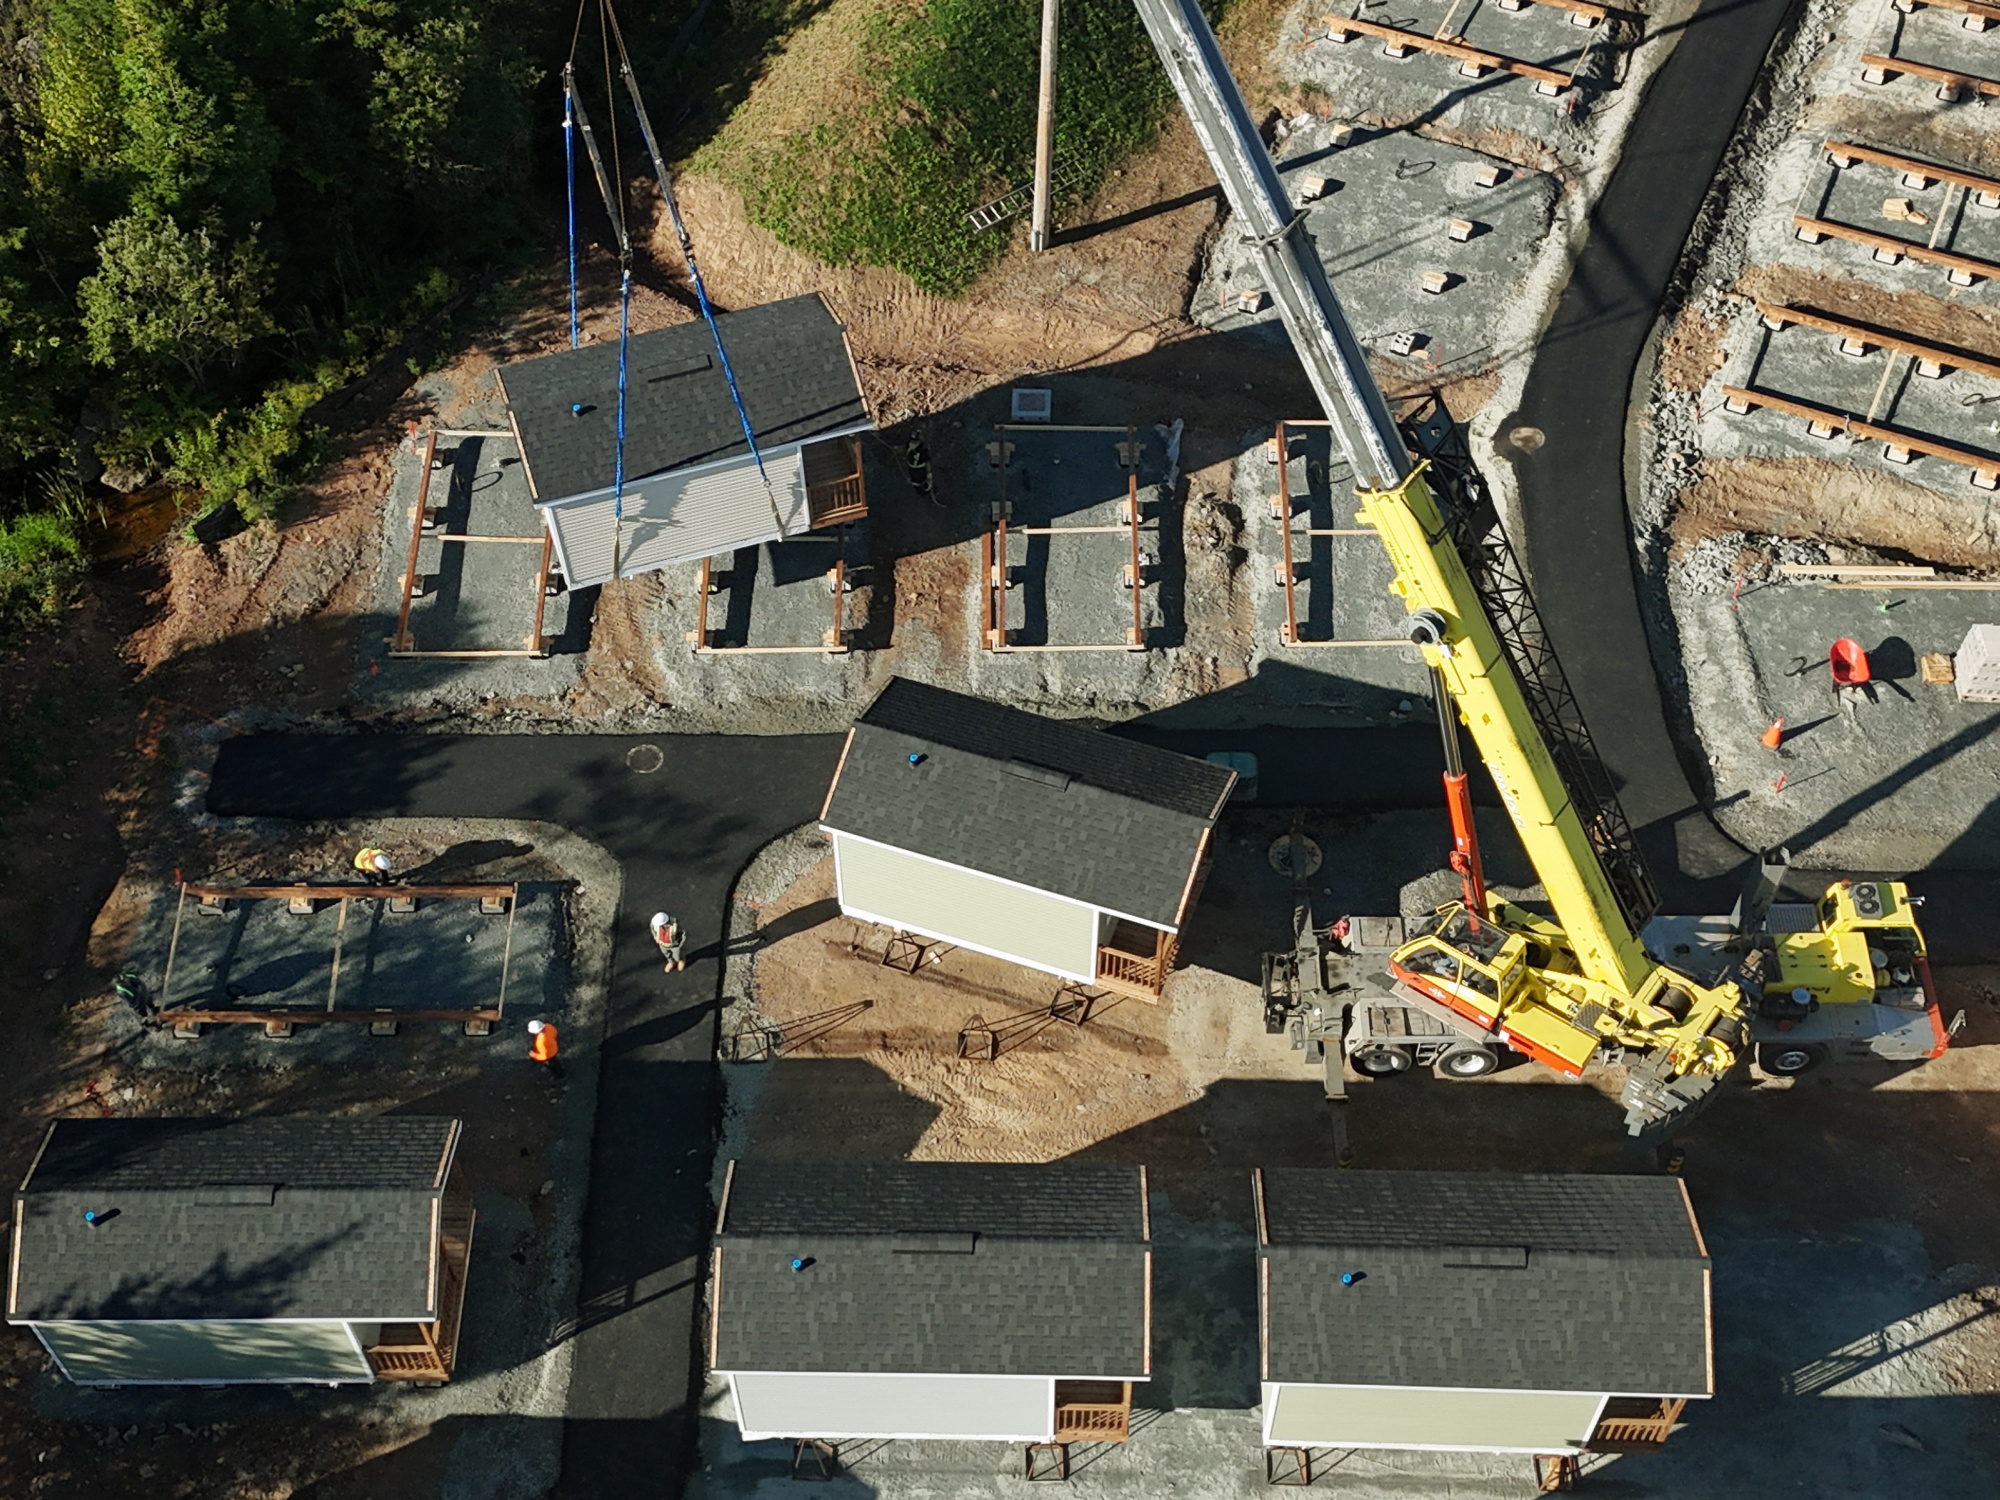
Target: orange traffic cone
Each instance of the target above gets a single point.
(1773, 737)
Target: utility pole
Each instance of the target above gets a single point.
(1045, 130)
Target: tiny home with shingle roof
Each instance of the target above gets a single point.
(1001, 1301)
(1481, 1311)
(692, 488)
(254, 1251)
(1062, 848)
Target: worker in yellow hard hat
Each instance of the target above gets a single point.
(374, 865)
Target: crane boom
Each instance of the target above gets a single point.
(1558, 992)
(1601, 920)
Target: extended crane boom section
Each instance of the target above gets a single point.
(1571, 823)
(1363, 426)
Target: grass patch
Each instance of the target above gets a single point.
(42, 562)
(886, 120)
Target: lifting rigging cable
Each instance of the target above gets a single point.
(611, 185)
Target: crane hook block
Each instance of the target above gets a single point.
(1426, 627)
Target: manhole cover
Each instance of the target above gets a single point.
(1527, 439)
(644, 759)
(1281, 855)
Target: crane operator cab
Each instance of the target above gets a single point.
(1513, 977)
(1845, 978)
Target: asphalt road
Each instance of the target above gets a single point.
(1578, 540)
(682, 832)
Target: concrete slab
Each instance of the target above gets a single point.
(1908, 781)
(444, 955)
(1960, 408)
(1342, 592)
(1070, 589)
(1382, 221)
(478, 595)
(1361, 78)
(1800, 179)
(780, 595)
(1940, 38)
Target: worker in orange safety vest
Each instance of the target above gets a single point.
(374, 865)
(543, 1048)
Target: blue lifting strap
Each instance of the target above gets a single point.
(569, 170)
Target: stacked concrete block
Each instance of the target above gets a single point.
(1977, 668)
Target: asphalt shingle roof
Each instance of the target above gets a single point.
(1485, 1280)
(791, 366)
(254, 1218)
(1054, 806)
(941, 1268)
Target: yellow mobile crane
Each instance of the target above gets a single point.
(1484, 973)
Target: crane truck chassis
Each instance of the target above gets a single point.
(1483, 973)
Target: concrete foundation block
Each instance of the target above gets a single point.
(1949, 93)
(300, 906)
(384, 1027)
(1962, 278)
(1975, 23)
(1976, 667)
(1889, 257)
(1397, 50)
(1987, 200)
(278, 1031)
(1986, 479)
(402, 906)
(1461, 230)
(1916, 180)
(1736, 407)
(1820, 429)
(1874, 75)
(1930, 369)
(1435, 282)
(1472, 70)
(1489, 176)
(1854, 348)
(1578, 18)
(1896, 454)
(1548, 90)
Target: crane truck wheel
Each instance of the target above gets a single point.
(1789, 1059)
(1469, 1061)
(1381, 1062)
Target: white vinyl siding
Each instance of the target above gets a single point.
(1390, 1417)
(904, 890)
(1018, 1408)
(680, 517)
(156, 1352)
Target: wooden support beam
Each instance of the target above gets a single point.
(1846, 153)
(1964, 269)
(1985, 466)
(402, 639)
(1889, 67)
(463, 536)
(180, 1013)
(1341, 26)
(308, 892)
(1942, 357)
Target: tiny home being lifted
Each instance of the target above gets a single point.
(692, 487)
(258, 1251)
(1061, 848)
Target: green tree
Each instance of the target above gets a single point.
(164, 293)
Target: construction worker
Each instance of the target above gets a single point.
(917, 467)
(374, 865)
(670, 940)
(543, 1047)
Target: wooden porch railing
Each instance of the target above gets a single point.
(834, 489)
(1125, 966)
(429, 1351)
(1634, 1425)
(1093, 1411)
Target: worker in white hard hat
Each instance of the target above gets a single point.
(544, 1047)
(374, 865)
(670, 939)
